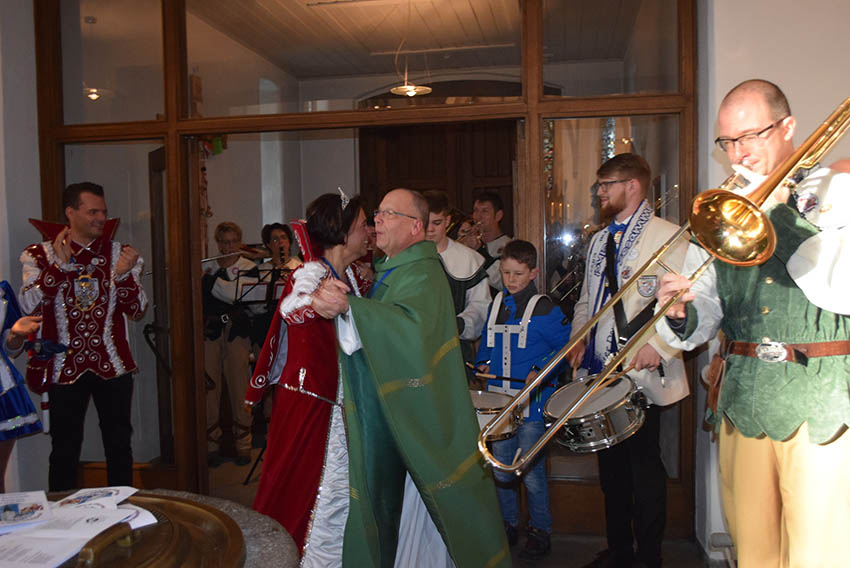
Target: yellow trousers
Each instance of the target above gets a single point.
(787, 503)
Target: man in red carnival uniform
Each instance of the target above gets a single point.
(84, 284)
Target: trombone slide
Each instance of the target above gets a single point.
(602, 379)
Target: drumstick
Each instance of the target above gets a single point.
(516, 455)
(616, 376)
(495, 377)
(489, 375)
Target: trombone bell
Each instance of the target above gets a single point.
(732, 228)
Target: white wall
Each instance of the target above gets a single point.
(802, 47)
(329, 159)
(20, 197)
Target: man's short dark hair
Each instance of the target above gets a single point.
(266, 232)
(327, 222)
(491, 197)
(438, 201)
(626, 166)
(776, 100)
(71, 194)
(522, 252)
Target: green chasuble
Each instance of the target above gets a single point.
(408, 409)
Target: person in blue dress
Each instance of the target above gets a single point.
(17, 413)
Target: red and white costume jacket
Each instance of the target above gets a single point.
(84, 304)
(300, 348)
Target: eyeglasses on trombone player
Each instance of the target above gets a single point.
(729, 226)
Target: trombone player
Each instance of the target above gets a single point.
(784, 406)
(631, 473)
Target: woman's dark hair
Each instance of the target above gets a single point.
(266, 233)
(327, 222)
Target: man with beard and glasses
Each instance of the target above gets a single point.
(631, 473)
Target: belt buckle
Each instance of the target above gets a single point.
(772, 351)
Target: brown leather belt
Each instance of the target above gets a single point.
(777, 352)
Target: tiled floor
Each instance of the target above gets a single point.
(568, 551)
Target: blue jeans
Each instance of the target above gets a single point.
(536, 485)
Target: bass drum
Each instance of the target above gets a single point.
(608, 417)
(487, 406)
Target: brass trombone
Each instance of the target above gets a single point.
(728, 226)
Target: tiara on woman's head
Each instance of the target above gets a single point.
(345, 199)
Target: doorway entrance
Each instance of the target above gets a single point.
(459, 158)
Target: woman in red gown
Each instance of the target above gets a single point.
(304, 481)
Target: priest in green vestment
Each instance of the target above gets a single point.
(407, 406)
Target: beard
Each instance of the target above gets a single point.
(612, 208)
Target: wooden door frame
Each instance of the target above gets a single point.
(182, 204)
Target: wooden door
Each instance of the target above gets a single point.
(457, 158)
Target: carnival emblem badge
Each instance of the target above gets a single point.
(806, 203)
(647, 285)
(86, 291)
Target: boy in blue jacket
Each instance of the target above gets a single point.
(523, 331)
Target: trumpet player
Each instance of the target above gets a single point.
(487, 213)
(784, 406)
(631, 473)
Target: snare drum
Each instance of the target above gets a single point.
(487, 406)
(610, 416)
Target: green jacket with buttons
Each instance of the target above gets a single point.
(763, 303)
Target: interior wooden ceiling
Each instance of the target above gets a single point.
(326, 38)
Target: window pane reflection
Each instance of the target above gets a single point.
(259, 58)
(573, 151)
(111, 60)
(602, 47)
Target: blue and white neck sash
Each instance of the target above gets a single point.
(603, 341)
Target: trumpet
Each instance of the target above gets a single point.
(729, 226)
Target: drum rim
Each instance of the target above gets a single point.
(490, 410)
(596, 413)
(605, 443)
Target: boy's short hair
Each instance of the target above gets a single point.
(227, 227)
(626, 165)
(491, 197)
(438, 201)
(522, 252)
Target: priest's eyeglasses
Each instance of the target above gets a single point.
(391, 213)
(747, 140)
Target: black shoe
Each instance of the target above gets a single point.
(537, 546)
(511, 533)
(608, 559)
(242, 459)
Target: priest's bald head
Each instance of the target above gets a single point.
(400, 220)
